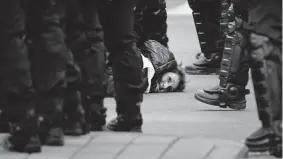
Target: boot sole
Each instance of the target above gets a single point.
(74, 133)
(233, 105)
(54, 143)
(136, 129)
(208, 71)
(7, 145)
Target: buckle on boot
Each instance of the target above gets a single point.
(233, 91)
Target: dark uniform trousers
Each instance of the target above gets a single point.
(33, 56)
(265, 51)
(151, 21)
(265, 24)
(84, 37)
(89, 23)
(207, 14)
(118, 25)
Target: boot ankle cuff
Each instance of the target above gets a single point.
(233, 91)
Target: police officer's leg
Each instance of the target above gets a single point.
(233, 78)
(49, 58)
(209, 13)
(139, 30)
(127, 66)
(15, 78)
(75, 123)
(195, 6)
(275, 82)
(155, 21)
(267, 80)
(92, 63)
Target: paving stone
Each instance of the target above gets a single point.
(152, 140)
(114, 138)
(102, 149)
(187, 147)
(80, 140)
(12, 155)
(143, 152)
(44, 156)
(64, 152)
(228, 152)
(95, 156)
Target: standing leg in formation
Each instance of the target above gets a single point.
(86, 42)
(151, 22)
(265, 51)
(267, 79)
(233, 74)
(206, 16)
(198, 25)
(49, 58)
(75, 122)
(126, 64)
(15, 79)
(155, 21)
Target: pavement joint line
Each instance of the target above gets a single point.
(163, 135)
(170, 145)
(242, 154)
(210, 151)
(83, 147)
(27, 156)
(126, 146)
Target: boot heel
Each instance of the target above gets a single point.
(55, 137)
(238, 105)
(137, 129)
(34, 146)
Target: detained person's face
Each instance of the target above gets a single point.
(169, 82)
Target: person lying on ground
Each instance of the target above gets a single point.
(161, 71)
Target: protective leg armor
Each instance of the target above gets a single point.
(233, 77)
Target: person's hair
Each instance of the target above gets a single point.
(182, 83)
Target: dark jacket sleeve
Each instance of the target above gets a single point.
(162, 59)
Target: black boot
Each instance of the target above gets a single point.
(51, 116)
(266, 139)
(129, 116)
(232, 96)
(51, 133)
(95, 113)
(24, 135)
(122, 123)
(205, 66)
(75, 122)
(258, 141)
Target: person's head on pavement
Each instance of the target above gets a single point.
(173, 81)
